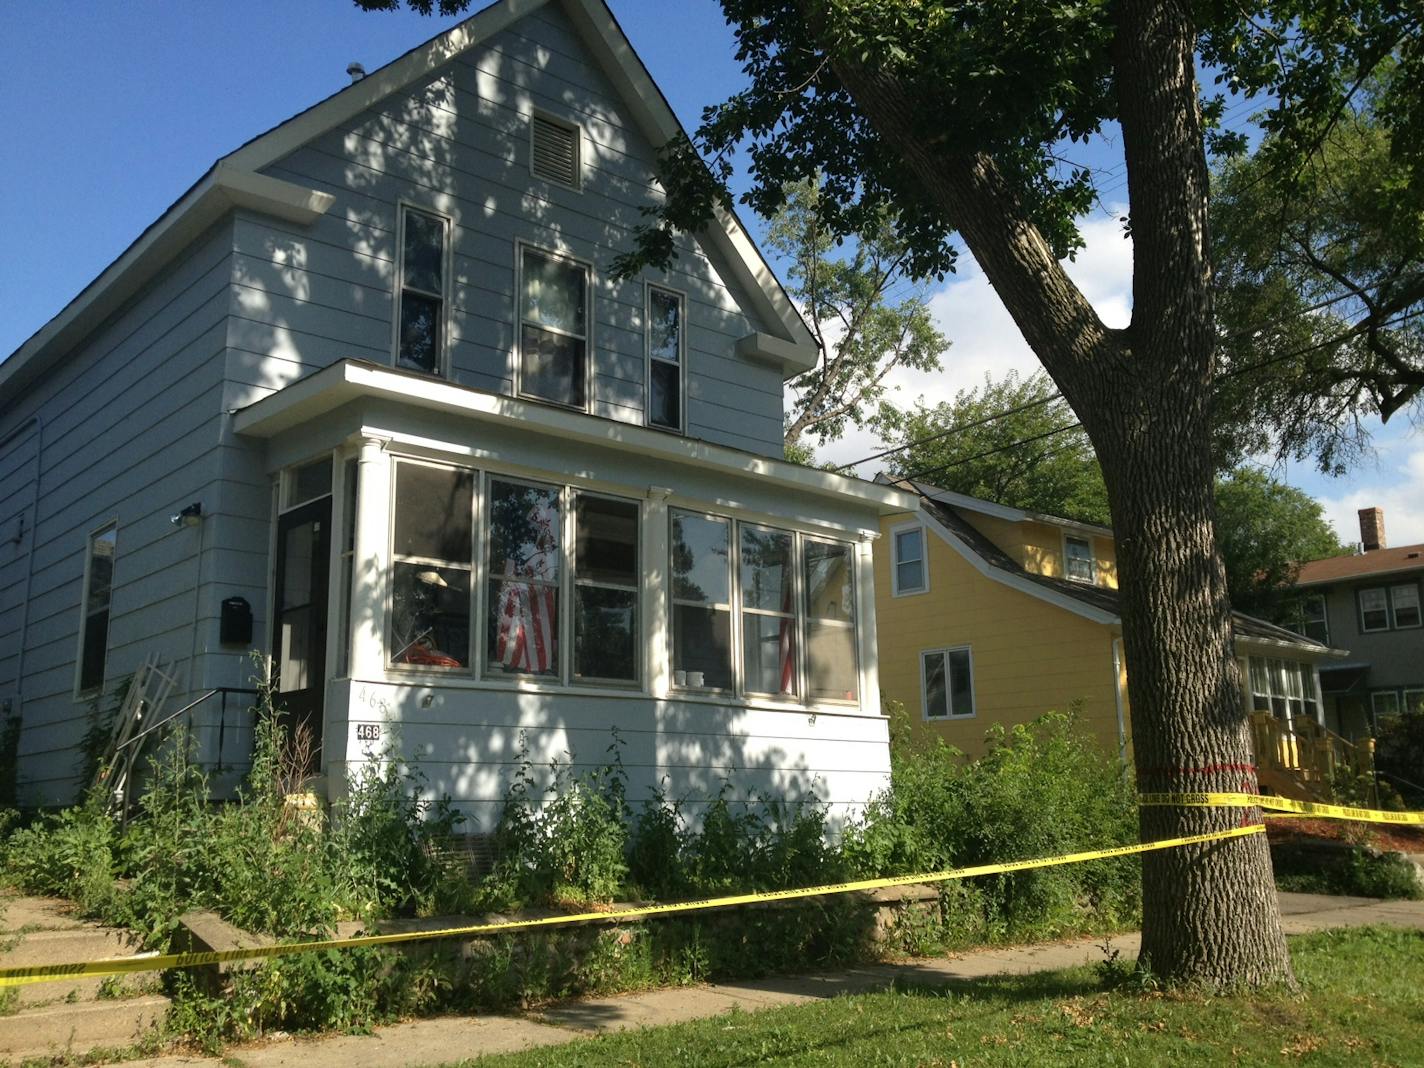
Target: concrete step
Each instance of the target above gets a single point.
(26, 949)
(79, 1028)
(36, 914)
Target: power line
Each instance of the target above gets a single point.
(1244, 368)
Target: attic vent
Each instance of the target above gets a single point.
(554, 154)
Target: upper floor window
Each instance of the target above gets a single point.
(665, 358)
(1309, 618)
(98, 590)
(908, 546)
(1389, 607)
(1404, 604)
(420, 329)
(1078, 563)
(947, 679)
(553, 328)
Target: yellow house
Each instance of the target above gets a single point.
(988, 614)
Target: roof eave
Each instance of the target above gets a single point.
(348, 380)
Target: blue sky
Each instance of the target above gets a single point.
(114, 109)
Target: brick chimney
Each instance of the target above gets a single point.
(1372, 528)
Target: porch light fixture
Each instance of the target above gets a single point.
(188, 517)
(432, 578)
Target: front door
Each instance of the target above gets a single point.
(299, 626)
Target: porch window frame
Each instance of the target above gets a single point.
(649, 359)
(950, 715)
(86, 611)
(521, 248)
(393, 558)
(739, 689)
(441, 369)
(484, 481)
(640, 638)
(896, 589)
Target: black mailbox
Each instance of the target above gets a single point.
(236, 626)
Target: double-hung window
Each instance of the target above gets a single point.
(431, 572)
(98, 591)
(1078, 563)
(1313, 620)
(1374, 609)
(665, 358)
(908, 546)
(606, 580)
(947, 679)
(1414, 702)
(553, 328)
(524, 567)
(420, 329)
(701, 601)
(1404, 605)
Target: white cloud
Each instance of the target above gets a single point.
(983, 337)
(1398, 489)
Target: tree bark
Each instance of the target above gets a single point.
(1210, 913)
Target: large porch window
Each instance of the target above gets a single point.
(481, 572)
(794, 598)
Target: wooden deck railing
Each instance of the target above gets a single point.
(1304, 760)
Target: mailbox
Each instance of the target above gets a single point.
(236, 626)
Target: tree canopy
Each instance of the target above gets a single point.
(1035, 457)
(866, 316)
(1320, 283)
(957, 119)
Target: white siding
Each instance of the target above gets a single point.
(130, 433)
(459, 144)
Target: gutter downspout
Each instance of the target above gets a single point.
(34, 510)
(1117, 696)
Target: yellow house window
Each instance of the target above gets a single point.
(947, 681)
(909, 564)
(1078, 563)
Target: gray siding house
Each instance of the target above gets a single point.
(1370, 605)
(370, 381)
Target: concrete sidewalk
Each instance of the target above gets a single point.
(452, 1038)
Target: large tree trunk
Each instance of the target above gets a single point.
(1143, 395)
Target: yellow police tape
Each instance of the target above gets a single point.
(1283, 805)
(162, 962)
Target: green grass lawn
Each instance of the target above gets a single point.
(1361, 1003)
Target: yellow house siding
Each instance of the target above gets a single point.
(1028, 656)
(1038, 547)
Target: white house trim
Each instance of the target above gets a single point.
(1016, 582)
(1012, 515)
(350, 380)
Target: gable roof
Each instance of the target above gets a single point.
(234, 181)
(1098, 603)
(1376, 562)
(964, 502)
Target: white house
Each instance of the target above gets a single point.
(371, 377)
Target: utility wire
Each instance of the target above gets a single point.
(1056, 395)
